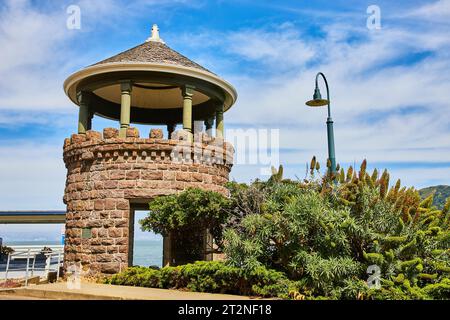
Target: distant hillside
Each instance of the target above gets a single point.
(441, 193)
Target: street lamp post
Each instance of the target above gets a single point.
(319, 102)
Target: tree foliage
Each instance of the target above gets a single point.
(190, 211)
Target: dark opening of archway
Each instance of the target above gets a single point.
(188, 246)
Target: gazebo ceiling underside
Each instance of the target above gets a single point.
(149, 91)
(151, 96)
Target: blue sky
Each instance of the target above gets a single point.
(390, 87)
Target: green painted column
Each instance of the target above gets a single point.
(84, 115)
(90, 117)
(188, 93)
(220, 128)
(125, 109)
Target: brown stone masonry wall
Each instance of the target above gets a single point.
(105, 174)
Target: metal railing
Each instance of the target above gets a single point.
(29, 253)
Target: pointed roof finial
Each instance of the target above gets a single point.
(155, 35)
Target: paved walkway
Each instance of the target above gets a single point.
(89, 291)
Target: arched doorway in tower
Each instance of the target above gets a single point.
(146, 248)
(177, 248)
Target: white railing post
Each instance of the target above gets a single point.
(59, 265)
(47, 264)
(28, 264)
(7, 266)
(34, 263)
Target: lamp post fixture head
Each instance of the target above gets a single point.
(317, 99)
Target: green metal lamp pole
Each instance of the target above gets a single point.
(319, 102)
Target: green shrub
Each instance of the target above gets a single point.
(440, 290)
(137, 277)
(203, 276)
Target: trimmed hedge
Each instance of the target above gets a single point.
(208, 276)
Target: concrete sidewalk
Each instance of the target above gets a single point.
(90, 291)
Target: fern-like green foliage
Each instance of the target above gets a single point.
(325, 235)
(277, 175)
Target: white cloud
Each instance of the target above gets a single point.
(32, 64)
(32, 176)
(438, 11)
(279, 48)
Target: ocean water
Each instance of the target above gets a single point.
(146, 252)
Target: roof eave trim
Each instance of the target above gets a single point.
(71, 81)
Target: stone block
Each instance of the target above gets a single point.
(121, 241)
(184, 176)
(99, 204)
(123, 205)
(121, 223)
(115, 214)
(115, 233)
(104, 214)
(197, 177)
(87, 156)
(182, 135)
(123, 249)
(117, 174)
(152, 175)
(94, 223)
(111, 184)
(109, 268)
(102, 233)
(156, 134)
(98, 249)
(107, 242)
(110, 133)
(133, 175)
(202, 137)
(110, 204)
(67, 142)
(103, 257)
(93, 135)
(132, 133)
(169, 176)
(112, 250)
(127, 184)
(78, 138)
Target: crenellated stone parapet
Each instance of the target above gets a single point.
(107, 174)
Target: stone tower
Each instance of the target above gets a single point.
(113, 173)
